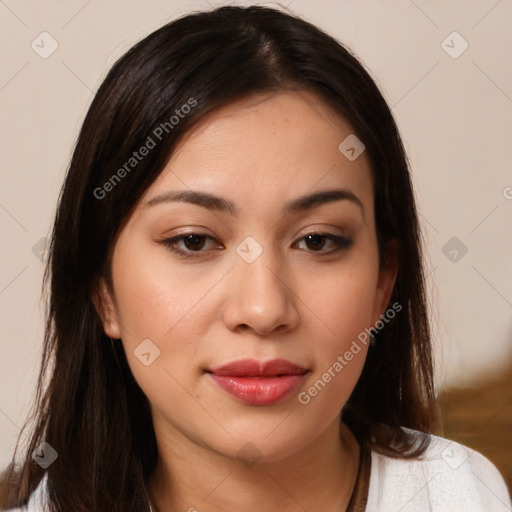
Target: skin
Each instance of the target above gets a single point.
(295, 301)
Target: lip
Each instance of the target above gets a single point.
(258, 382)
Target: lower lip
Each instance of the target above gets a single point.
(259, 390)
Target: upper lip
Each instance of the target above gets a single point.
(255, 368)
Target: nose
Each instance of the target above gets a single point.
(260, 297)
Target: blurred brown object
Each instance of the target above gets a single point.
(481, 417)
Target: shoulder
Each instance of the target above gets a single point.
(447, 477)
(37, 499)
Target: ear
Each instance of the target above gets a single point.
(104, 303)
(386, 281)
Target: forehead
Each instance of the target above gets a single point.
(266, 149)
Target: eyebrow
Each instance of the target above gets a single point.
(213, 202)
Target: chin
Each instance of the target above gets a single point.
(259, 445)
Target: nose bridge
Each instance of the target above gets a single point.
(259, 296)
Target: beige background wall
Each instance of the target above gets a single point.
(454, 109)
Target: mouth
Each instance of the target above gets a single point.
(258, 383)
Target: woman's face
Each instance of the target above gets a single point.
(268, 275)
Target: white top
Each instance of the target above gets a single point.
(449, 477)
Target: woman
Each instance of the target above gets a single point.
(237, 316)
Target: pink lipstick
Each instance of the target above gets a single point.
(259, 383)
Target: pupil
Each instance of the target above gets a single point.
(315, 239)
(193, 240)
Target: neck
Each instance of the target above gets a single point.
(319, 477)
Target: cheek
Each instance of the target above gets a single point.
(157, 303)
(154, 310)
(153, 296)
(339, 355)
(344, 299)
(342, 305)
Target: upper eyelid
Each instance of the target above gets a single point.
(213, 237)
(325, 229)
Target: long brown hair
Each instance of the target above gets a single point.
(88, 406)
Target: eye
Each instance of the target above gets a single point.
(316, 242)
(192, 242)
(191, 245)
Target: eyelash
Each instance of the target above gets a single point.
(341, 243)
